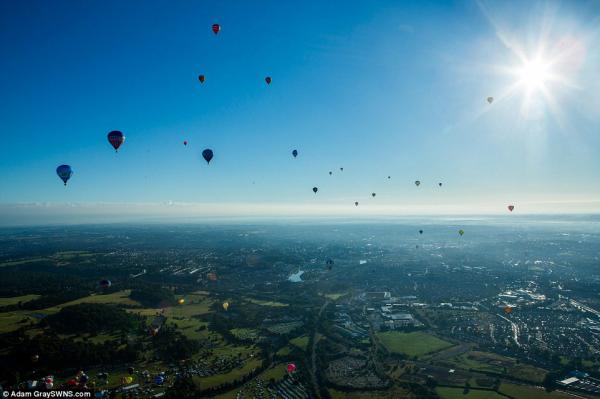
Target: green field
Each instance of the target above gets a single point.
(267, 303)
(22, 262)
(458, 393)
(300, 342)
(16, 299)
(530, 392)
(215, 380)
(411, 344)
(491, 362)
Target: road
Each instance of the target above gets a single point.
(313, 354)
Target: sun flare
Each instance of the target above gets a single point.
(534, 74)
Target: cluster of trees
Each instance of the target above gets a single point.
(91, 318)
(51, 354)
(152, 297)
(170, 345)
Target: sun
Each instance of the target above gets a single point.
(534, 74)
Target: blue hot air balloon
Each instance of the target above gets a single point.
(207, 155)
(64, 172)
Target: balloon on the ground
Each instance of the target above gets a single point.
(64, 172)
(116, 139)
(207, 155)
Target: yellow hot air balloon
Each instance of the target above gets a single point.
(129, 379)
(225, 305)
(181, 301)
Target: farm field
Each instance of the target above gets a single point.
(412, 344)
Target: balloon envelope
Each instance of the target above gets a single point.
(225, 305)
(268, 80)
(295, 153)
(201, 78)
(291, 367)
(417, 183)
(216, 28)
(508, 310)
(207, 155)
(373, 194)
(64, 172)
(461, 232)
(490, 100)
(116, 138)
(420, 231)
(105, 283)
(181, 301)
(511, 207)
(356, 203)
(315, 189)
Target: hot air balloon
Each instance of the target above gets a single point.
(129, 379)
(511, 207)
(35, 358)
(417, 183)
(315, 189)
(184, 142)
(181, 301)
(440, 184)
(207, 155)
(508, 309)
(389, 177)
(216, 28)
(330, 173)
(159, 380)
(373, 195)
(342, 169)
(356, 203)
(64, 172)
(225, 305)
(490, 100)
(291, 367)
(420, 231)
(83, 378)
(295, 153)
(201, 78)
(116, 139)
(268, 80)
(461, 232)
(105, 283)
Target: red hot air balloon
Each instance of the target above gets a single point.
(201, 78)
(291, 367)
(268, 80)
(216, 28)
(116, 138)
(511, 207)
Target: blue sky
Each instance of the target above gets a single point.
(380, 88)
